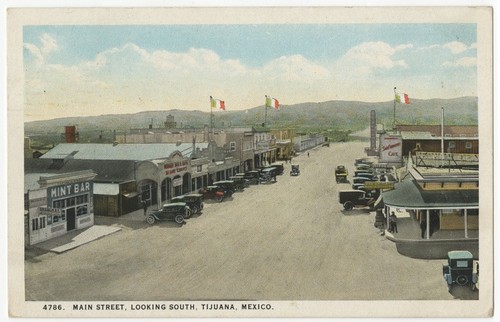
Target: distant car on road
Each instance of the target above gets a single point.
(341, 174)
(295, 171)
(173, 211)
(252, 176)
(227, 186)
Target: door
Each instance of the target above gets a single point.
(71, 219)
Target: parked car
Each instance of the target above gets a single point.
(355, 198)
(295, 171)
(341, 174)
(172, 211)
(460, 269)
(240, 183)
(267, 175)
(280, 168)
(193, 200)
(227, 187)
(362, 161)
(212, 192)
(253, 176)
(363, 179)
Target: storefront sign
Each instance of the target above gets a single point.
(175, 167)
(378, 185)
(177, 182)
(69, 190)
(391, 148)
(46, 211)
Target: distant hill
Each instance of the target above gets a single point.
(339, 115)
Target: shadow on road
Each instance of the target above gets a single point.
(464, 292)
(356, 212)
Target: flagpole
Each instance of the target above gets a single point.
(394, 113)
(211, 118)
(265, 113)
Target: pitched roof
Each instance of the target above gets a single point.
(435, 130)
(133, 152)
(106, 170)
(407, 194)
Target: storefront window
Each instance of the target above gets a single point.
(81, 210)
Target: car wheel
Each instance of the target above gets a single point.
(179, 219)
(189, 212)
(196, 210)
(150, 219)
(348, 205)
(218, 198)
(462, 280)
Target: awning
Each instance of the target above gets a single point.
(407, 194)
(106, 189)
(130, 194)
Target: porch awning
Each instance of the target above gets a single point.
(407, 194)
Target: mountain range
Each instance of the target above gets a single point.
(338, 115)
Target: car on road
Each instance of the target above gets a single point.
(227, 186)
(240, 183)
(341, 174)
(252, 176)
(267, 175)
(212, 192)
(193, 200)
(295, 171)
(172, 211)
(280, 168)
(355, 198)
(460, 269)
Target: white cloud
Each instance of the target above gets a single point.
(49, 44)
(370, 56)
(462, 62)
(455, 47)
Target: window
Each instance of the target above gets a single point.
(468, 145)
(232, 146)
(81, 210)
(38, 223)
(451, 144)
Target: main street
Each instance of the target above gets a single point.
(289, 240)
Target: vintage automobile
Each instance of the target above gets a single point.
(341, 174)
(355, 198)
(362, 161)
(280, 168)
(212, 192)
(295, 171)
(193, 200)
(460, 269)
(267, 175)
(253, 176)
(240, 183)
(227, 187)
(172, 211)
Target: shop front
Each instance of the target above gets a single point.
(62, 203)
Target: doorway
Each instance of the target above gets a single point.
(71, 219)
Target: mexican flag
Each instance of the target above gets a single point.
(272, 102)
(405, 99)
(216, 103)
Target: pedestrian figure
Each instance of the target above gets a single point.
(308, 154)
(274, 177)
(423, 227)
(393, 221)
(145, 207)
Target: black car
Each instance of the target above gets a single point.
(279, 168)
(193, 200)
(460, 269)
(240, 183)
(173, 211)
(355, 198)
(252, 176)
(227, 187)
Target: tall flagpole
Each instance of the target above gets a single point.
(211, 118)
(265, 113)
(394, 113)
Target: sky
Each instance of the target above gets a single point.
(93, 70)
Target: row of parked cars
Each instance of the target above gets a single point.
(359, 196)
(183, 207)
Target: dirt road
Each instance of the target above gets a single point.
(288, 240)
